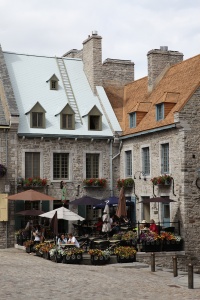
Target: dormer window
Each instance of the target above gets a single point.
(94, 118)
(54, 85)
(53, 81)
(37, 116)
(67, 121)
(67, 118)
(37, 120)
(132, 120)
(160, 112)
(94, 122)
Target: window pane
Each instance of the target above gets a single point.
(92, 165)
(145, 161)
(94, 122)
(37, 119)
(160, 111)
(32, 164)
(165, 158)
(132, 118)
(128, 155)
(64, 121)
(60, 166)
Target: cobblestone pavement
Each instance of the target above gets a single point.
(25, 276)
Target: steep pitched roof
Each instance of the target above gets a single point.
(177, 86)
(28, 75)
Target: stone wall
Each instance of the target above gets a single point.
(189, 118)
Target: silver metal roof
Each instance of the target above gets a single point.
(29, 75)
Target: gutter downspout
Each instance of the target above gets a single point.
(6, 140)
(111, 165)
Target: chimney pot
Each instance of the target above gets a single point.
(164, 48)
(94, 32)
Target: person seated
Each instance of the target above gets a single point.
(73, 240)
(153, 227)
(144, 226)
(99, 225)
(62, 240)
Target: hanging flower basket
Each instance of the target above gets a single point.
(162, 180)
(3, 170)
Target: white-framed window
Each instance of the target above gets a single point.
(60, 166)
(32, 164)
(92, 165)
(165, 158)
(132, 120)
(159, 111)
(128, 163)
(145, 161)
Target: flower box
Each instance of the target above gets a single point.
(33, 182)
(153, 246)
(172, 245)
(94, 183)
(124, 259)
(99, 259)
(163, 180)
(73, 258)
(126, 183)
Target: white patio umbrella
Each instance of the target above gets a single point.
(62, 213)
(106, 219)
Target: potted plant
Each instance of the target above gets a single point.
(126, 183)
(162, 180)
(150, 241)
(99, 257)
(95, 182)
(72, 255)
(29, 245)
(171, 242)
(125, 254)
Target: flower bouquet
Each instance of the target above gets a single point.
(125, 254)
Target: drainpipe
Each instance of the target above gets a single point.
(6, 141)
(111, 165)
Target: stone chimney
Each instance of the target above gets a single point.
(159, 60)
(92, 59)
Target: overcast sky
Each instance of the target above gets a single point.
(129, 28)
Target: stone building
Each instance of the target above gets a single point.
(161, 117)
(58, 124)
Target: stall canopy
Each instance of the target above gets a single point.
(157, 199)
(62, 213)
(30, 212)
(86, 200)
(112, 201)
(31, 195)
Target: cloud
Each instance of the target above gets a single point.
(129, 28)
